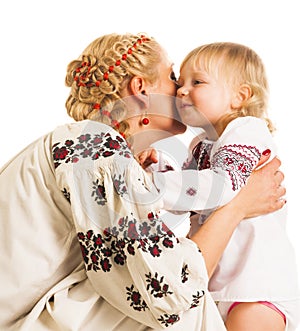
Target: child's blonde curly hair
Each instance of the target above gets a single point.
(238, 64)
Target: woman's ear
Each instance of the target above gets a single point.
(138, 88)
(244, 93)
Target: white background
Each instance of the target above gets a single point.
(39, 39)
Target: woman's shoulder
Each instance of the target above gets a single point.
(86, 141)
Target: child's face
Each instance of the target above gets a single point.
(202, 99)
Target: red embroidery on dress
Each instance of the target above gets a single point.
(168, 319)
(86, 146)
(191, 191)
(197, 299)
(101, 251)
(137, 302)
(201, 154)
(238, 161)
(99, 193)
(156, 286)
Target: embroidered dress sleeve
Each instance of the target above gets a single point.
(132, 260)
(232, 160)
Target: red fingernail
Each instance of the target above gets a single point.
(266, 152)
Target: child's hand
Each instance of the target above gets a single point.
(147, 157)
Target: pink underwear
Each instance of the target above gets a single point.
(265, 303)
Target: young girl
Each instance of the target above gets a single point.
(223, 89)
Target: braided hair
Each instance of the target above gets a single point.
(99, 75)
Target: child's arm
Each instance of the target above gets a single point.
(234, 157)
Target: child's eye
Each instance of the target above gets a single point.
(198, 82)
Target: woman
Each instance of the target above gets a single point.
(79, 192)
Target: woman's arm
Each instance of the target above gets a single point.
(262, 194)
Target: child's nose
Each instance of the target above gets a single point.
(182, 91)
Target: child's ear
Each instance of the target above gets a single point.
(243, 93)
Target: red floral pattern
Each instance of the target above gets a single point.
(136, 300)
(101, 251)
(168, 320)
(197, 299)
(88, 146)
(156, 285)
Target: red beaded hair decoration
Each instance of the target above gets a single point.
(81, 77)
(104, 112)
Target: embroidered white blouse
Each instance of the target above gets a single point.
(259, 261)
(83, 246)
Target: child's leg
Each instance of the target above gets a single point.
(254, 316)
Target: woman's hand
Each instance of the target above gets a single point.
(262, 194)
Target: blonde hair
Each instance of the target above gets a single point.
(99, 75)
(238, 64)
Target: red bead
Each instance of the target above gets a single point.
(118, 62)
(124, 56)
(105, 76)
(129, 51)
(145, 121)
(111, 68)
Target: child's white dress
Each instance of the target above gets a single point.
(259, 261)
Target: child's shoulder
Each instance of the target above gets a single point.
(254, 124)
(247, 130)
(247, 121)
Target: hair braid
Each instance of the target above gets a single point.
(98, 76)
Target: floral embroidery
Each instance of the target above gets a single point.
(136, 299)
(66, 194)
(119, 185)
(101, 251)
(88, 146)
(158, 289)
(99, 193)
(184, 273)
(168, 320)
(196, 299)
(238, 161)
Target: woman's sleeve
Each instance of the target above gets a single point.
(233, 158)
(132, 260)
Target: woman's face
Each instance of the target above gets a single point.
(162, 107)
